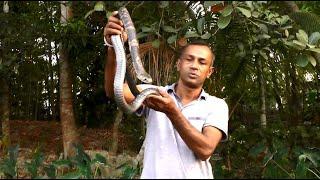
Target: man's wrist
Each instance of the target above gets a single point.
(173, 113)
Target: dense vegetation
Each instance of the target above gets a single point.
(266, 68)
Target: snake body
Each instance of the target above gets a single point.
(120, 73)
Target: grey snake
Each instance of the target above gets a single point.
(121, 74)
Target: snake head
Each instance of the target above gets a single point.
(146, 78)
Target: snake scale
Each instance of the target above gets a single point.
(121, 67)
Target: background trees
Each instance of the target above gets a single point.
(267, 69)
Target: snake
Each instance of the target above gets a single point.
(121, 67)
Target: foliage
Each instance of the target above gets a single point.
(81, 166)
(277, 152)
(241, 32)
(9, 163)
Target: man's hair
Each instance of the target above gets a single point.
(199, 43)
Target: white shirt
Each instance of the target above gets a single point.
(166, 155)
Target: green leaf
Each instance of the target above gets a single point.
(286, 32)
(62, 163)
(191, 34)
(263, 27)
(108, 14)
(255, 51)
(211, 3)
(156, 43)
(283, 19)
(264, 36)
(302, 60)
(206, 36)
(256, 150)
(146, 29)
(164, 4)
(300, 44)
(99, 6)
(100, 158)
(227, 10)
(314, 38)
(141, 35)
(71, 175)
(267, 158)
(249, 4)
(255, 14)
(128, 172)
(302, 36)
(317, 50)
(263, 54)
(50, 171)
(301, 170)
(240, 46)
(224, 21)
(89, 13)
(311, 46)
(170, 29)
(274, 41)
(311, 157)
(172, 39)
(244, 11)
(200, 24)
(312, 60)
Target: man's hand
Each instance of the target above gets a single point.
(114, 27)
(163, 102)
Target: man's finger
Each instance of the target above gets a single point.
(112, 32)
(114, 25)
(115, 18)
(114, 13)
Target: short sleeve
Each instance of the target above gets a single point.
(219, 117)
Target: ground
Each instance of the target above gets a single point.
(47, 135)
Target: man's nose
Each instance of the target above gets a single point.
(195, 65)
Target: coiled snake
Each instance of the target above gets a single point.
(121, 66)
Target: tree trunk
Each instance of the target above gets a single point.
(36, 104)
(4, 104)
(69, 130)
(115, 136)
(263, 117)
(29, 100)
(295, 99)
(4, 112)
(295, 102)
(276, 91)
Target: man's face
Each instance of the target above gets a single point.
(194, 65)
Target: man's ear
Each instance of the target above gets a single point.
(211, 70)
(178, 64)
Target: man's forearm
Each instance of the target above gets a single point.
(109, 72)
(195, 140)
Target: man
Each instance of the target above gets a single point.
(184, 123)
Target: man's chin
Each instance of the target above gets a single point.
(193, 84)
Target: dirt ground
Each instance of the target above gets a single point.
(47, 135)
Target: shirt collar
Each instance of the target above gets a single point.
(203, 94)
